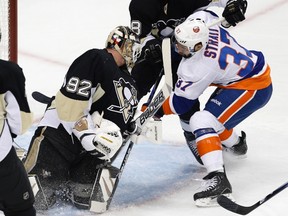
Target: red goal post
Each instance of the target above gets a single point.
(8, 25)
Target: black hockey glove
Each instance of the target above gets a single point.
(173, 23)
(132, 128)
(162, 29)
(152, 52)
(234, 12)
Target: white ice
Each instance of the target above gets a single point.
(161, 179)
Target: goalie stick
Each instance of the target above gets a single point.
(243, 210)
(101, 205)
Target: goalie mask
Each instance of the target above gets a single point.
(192, 34)
(126, 42)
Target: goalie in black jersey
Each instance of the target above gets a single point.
(16, 196)
(154, 20)
(83, 126)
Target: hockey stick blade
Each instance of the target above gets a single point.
(40, 97)
(243, 210)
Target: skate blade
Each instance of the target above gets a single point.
(211, 201)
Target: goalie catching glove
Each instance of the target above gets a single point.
(102, 141)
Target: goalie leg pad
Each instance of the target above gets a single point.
(31, 158)
(80, 194)
(103, 189)
(44, 198)
(94, 197)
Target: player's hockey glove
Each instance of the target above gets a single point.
(162, 29)
(165, 109)
(234, 12)
(152, 51)
(132, 127)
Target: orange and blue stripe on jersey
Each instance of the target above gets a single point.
(258, 78)
(231, 105)
(241, 98)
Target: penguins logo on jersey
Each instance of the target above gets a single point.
(127, 97)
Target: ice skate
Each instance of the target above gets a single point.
(217, 183)
(239, 149)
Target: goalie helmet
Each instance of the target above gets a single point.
(192, 32)
(126, 42)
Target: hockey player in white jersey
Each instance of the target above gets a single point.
(211, 56)
(154, 20)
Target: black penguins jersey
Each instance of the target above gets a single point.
(145, 13)
(15, 115)
(94, 82)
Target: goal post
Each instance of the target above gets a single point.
(8, 25)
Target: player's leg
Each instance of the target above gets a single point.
(47, 167)
(189, 136)
(16, 195)
(205, 126)
(236, 105)
(91, 182)
(233, 143)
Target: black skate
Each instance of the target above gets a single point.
(240, 149)
(191, 142)
(217, 184)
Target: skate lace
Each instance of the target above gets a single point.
(210, 184)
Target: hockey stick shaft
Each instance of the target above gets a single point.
(216, 22)
(243, 210)
(154, 88)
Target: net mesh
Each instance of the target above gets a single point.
(8, 24)
(4, 24)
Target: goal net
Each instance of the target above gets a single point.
(8, 25)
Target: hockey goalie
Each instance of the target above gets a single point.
(83, 127)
